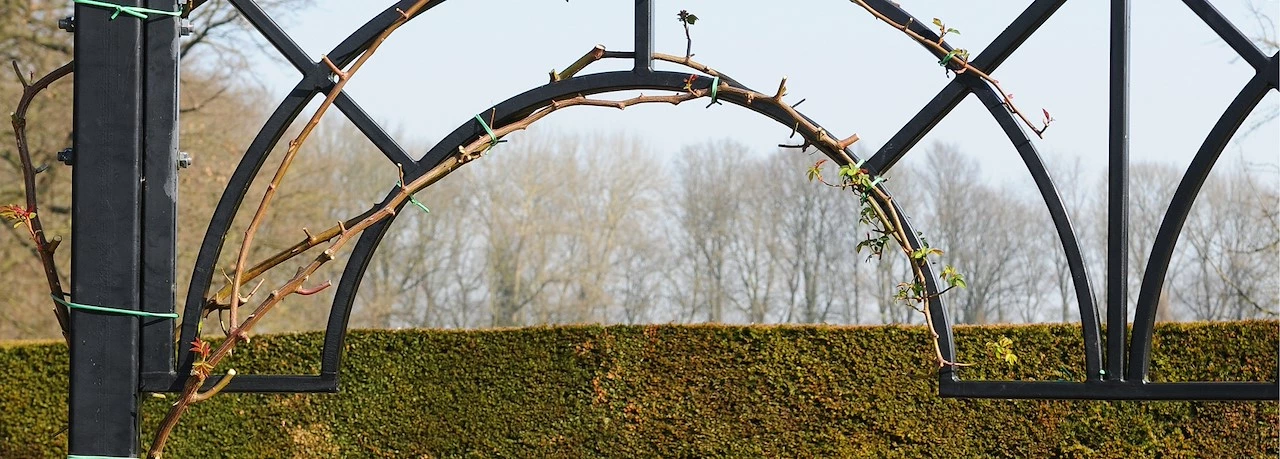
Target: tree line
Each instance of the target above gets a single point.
(571, 228)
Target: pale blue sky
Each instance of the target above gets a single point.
(857, 74)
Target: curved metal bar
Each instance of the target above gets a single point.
(220, 223)
(522, 105)
(1180, 207)
(254, 157)
(1089, 318)
(358, 41)
(950, 96)
(895, 12)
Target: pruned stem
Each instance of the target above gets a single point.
(591, 56)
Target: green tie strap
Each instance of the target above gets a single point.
(123, 312)
(414, 200)
(493, 139)
(948, 57)
(715, 91)
(135, 11)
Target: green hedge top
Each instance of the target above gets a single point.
(678, 391)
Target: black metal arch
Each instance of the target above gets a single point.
(315, 80)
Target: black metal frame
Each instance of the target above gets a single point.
(108, 58)
(1114, 381)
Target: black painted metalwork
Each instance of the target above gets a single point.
(1264, 80)
(644, 36)
(124, 190)
(160, 189)
(1118, 194)
(1114, 381)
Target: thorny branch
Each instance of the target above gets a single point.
(958, 62)
(239, 332)
(30, 215)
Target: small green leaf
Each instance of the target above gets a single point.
(954, 31)
(937, 22)
(691, 19)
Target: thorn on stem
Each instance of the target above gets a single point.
(313, 290)
(222, 383)
(248, 297)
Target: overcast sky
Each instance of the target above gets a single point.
(858, 75)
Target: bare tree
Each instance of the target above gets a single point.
(707, 212)
(1227, 239)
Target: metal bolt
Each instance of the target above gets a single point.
(68, 24)
(186, 28)
(184, 160)
(67, 156)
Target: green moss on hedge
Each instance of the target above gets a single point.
(684, 391)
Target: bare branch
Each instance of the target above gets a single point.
(43, 247)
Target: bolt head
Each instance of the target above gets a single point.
(68, 24)
(186, 28)
(184, 160)
(67, 156)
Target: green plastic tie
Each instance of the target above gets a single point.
(123, 312)
(948, 57)
(715, 92)
(493, 139)
(413, 199)
(877, 181)
(135, 11)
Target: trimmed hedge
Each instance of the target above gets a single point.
(675, 391)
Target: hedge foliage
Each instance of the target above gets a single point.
(677, 391)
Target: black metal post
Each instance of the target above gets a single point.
(160, 189)
(105, 261)
(1118, 192)
(644, 36)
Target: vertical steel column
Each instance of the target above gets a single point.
(1118, 194)
(160, 189)
(105, 255)
(644, 36)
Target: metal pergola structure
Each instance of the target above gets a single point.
(125, 201)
